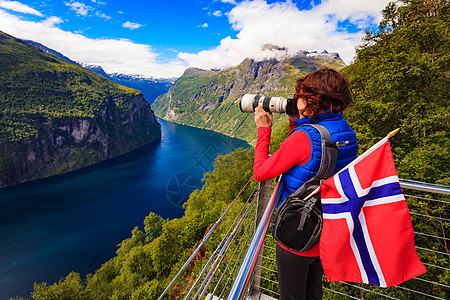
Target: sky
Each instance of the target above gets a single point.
(162, 38)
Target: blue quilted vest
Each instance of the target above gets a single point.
(340, 132)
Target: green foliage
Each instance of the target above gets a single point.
(137, 239)
(153, 226)
(400, 77)
(401, 80)
(431, 217)
(37, 85)
(69, 288)
(76, 158)
(428, 162)
(13, 130)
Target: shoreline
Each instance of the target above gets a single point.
(193, 126)
(122, 158)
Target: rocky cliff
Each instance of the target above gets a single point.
(209, 98)
(64, 145)
(56, 117)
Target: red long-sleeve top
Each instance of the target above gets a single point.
(295, 150)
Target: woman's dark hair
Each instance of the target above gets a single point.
(324, 89)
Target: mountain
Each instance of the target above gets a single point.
(56, 117)
(49, 50)
(150, 87)
(209, 98)
(96, 69)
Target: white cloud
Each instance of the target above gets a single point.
(19, 7)
(114, 55)
(84, 10)
(255, 21)
(357, 11)
(102, 15)
(204, 25)
(229, 1)
(217, 13)
(131, 25)
(79, 8)
(52, 21)
(283, 24)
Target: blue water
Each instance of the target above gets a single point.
(74, 222)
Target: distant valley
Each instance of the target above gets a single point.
(57, 115)
(150, 87)
(209, 98)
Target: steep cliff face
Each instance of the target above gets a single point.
(56, 117)
(64, 145)
(209, 99)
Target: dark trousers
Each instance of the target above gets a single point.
(299, 277)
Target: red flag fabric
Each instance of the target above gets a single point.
(367, 234)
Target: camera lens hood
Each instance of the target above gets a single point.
(249, 102)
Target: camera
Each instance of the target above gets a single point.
(249, 102)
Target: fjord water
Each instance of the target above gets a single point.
(74, 222)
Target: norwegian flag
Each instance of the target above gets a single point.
(367, 234)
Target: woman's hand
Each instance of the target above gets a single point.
(263, 119)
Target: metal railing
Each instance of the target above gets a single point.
(229, 275)
(433, 251)
(424, 187)
(253, 252)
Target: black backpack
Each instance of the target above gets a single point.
(297, 223)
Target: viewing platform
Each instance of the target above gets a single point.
(242, 264)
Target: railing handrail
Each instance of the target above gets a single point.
(249, 262)
(424, 187)
(252, 262)
(206, 237)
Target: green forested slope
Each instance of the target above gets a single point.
(56, 117)
(38, 85)
(209, 99)
(400, 79)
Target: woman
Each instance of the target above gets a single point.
(321, 97)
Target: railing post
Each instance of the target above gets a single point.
(263, 199)
(242, 279)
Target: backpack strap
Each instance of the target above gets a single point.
(326, 170)
(329, 153)
(327, 161)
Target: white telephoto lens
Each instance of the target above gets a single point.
(246, 103)
(277, 105)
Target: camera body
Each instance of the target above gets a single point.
(249, 102)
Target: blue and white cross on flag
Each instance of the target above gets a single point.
(367, 234)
